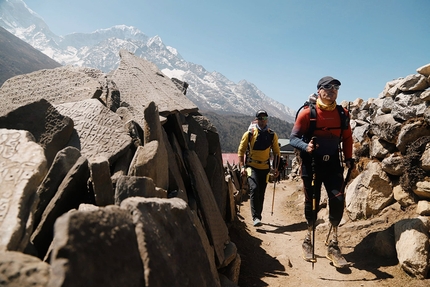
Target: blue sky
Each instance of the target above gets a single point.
(282, 46)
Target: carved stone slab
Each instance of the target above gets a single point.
(19, 269)
(211, 216)
(96, 248)
(166, 234)
(49, 128)
(57, 86)
(63, 162)
(141, 82)
(130, 186)
(71, 192)
(22, 168)
(100, 132)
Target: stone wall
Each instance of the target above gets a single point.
(111, 180)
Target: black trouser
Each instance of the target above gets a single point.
(257, 188)
(329, 173)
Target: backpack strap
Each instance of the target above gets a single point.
(313, 120)
(344, 120)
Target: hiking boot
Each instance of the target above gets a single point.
(335, 256)
(307, 250)
(257, 222)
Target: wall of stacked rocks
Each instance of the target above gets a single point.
(111, 180)
(392, 145)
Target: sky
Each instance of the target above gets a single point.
(282, 46)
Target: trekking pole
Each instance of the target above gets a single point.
(314, 206)
(273, 198)
(242, 188)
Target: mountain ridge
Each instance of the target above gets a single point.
(18, 57)
(100, 49)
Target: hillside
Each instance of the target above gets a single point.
(232, 126)
(17, 57)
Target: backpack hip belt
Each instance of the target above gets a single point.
(257, 161)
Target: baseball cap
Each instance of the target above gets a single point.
(261, 112)
(327, 80)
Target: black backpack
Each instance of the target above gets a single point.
(344, 119)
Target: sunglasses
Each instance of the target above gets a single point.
(262, 118)
(330, 86)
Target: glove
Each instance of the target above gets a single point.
(350, 163)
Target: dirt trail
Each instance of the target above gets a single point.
(272, 256)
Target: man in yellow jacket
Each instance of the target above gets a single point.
(254, 161)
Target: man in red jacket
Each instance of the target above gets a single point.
(321, 154)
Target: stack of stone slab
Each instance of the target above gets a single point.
(111, 180)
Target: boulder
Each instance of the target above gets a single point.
(22, 168)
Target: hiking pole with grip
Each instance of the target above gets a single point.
(314, 206)
(275, 163)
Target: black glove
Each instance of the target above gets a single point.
(350, 162)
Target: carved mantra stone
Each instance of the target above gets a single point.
(22, 167)
(99, 131)
(57, 86)
(141, 82)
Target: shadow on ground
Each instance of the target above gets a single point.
(366, 257)
(256, 263)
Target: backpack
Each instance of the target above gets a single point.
(251, 129)
(344, 119)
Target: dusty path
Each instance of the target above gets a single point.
(271, 254)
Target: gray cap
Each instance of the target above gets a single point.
(327, 80)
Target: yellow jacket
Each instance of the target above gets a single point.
(261, 142)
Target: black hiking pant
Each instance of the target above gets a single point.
(329, 173)
(257, 188)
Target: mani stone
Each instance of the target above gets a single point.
(57, 86)
(96, 248)
(141, 82)
(20, 270)
(100, 132)
(22, 168)
(166, 234)
(50, 129)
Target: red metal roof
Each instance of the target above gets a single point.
(230, 157)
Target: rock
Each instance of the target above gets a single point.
(412, 246)
(425, 158)
(402, 197)
(415, 82)
(369, 192)
(99, 131)
(57, 86)
(49, 128)
(411, 132)
(423, 208)
(103, 239)
(422, 189)
(101, 181)
(22, 168)
(173, 236)
(71, 192)
(20, 270)
(386, 127)
(393, 164)
(155, 87)
(131, 186)
(424, 70)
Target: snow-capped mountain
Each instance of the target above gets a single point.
(210, 91)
